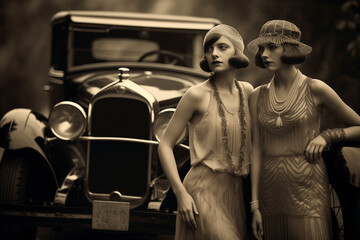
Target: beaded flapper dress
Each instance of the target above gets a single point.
(215, 188)
(294, 194)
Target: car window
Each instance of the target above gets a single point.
(122, 49)
(96, 45)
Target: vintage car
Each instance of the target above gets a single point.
(114, 82)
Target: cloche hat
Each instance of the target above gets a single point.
(279, 32)
(239, 60)
(227, 31)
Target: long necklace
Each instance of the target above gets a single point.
(280, 107)
(224, 128)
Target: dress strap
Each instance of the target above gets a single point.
(310, 96)
(308, 81)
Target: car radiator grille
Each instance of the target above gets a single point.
(119, 166)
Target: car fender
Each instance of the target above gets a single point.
(22, 128)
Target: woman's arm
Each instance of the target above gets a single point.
(184, 111)
(255, 166)
(325, 97)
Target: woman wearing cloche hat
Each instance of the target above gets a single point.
(290, 193)
(210, 200)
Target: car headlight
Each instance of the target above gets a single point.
(67, 120)
(162, 120)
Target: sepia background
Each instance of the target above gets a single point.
(331, 27)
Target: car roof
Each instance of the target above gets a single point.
(138, 19)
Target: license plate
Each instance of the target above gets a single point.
(110, 215)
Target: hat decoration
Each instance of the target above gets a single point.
(279, 32)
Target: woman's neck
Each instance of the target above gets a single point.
(284, 77)
(225, 80)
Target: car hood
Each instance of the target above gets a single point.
(165, 87)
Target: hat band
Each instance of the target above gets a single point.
(282, 33)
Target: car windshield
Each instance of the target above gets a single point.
(173, 46)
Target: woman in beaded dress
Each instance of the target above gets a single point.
(290, 191)
(210, 200)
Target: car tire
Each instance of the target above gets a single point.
(15, 183)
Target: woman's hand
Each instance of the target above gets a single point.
(257, 225)
(186, 209)
(314, 149)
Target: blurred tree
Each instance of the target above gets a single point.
(349, 25)
(331, 27)
(348, 76)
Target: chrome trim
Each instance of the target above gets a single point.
(146, 23)
(142, 65)
(2, 150)
(76, 106)
(55, 73)
(118, 139)
(134, 16)
(117, 196)
(123, 74)
(77, 172)
(108, 197)
(62, 193)
(56, 81)
(133, 91)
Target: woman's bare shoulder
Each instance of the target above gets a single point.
(319, 87)
(247, 86)
(197, 91)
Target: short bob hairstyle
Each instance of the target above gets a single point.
(239, 60)
(292, 55)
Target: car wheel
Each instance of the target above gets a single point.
(15, 185)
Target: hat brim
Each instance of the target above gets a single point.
(253, 46)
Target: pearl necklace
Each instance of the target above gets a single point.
(280, 107)
(224, 130)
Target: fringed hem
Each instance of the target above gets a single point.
(296, 228)
(219, 199)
